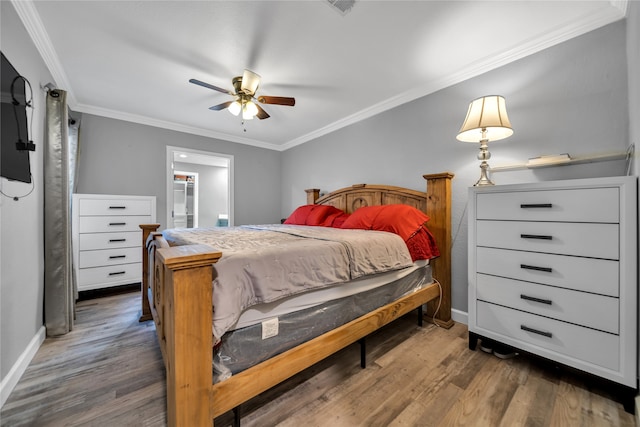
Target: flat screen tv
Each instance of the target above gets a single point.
(14, 162)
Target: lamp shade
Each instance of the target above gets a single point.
(488, 113)
(235, 107)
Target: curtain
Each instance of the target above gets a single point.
(59, 168)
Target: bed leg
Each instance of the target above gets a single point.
(236, 416)
(420, 314)
(363, 352)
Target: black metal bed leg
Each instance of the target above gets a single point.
(363, 352)
(236, 416)
(420, 315)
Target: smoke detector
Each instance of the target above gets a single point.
(342, 6)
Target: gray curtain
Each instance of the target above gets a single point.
(59, 288)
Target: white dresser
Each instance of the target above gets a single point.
(107, 240)
(553, 272)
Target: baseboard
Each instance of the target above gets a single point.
(460, 316)
(9, 382)
(637, 410)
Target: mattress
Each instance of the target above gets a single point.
(263, 264)
(244, 347)
(267, 311)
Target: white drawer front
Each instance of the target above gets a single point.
(556, 303)
(114, 207)
(580, 239)
(584, 274)
(109, 276)
(108, 224)
(106, 257)
(582, 205)
(91, 241)
(599, 348)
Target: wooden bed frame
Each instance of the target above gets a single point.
(178, 282)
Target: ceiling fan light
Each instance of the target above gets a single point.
(250, 109)
(235, 108)
(250, 82)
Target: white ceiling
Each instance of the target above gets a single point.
(132, 60)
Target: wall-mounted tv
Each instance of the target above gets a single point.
(14, 162)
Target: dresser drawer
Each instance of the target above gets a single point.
(584, 274)
(90, 278)
(580, 239)
(557, 303)
(588, 345)
(128, 239)
(106, 257)
(90, 207)
(581, 205)
(107, 224)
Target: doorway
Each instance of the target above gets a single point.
(199, 188)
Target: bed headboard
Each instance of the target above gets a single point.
(351, 198)
(435, 202)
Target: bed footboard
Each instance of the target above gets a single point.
(177, 295)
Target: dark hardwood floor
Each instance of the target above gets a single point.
(109, 372)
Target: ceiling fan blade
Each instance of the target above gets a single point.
(279, 100)
(250, 82)
(209, 86)
(221, 106)
(261, 113)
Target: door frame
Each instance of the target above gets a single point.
(226, 158)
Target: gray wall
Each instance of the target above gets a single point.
(569, 98)
(212, 191)
(21, 229)
(119, 157)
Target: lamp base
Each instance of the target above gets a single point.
(484, 177)
(483, 181)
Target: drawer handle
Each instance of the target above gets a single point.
(533, 267)
(540, 300)
(117, 223)
(536, 236)
(117, 207)
(117, 240)
(117, 256)
(536, 331)
(535, 205)
(117, 273)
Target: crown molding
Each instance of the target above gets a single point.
(33, 24)
(621, 5)
(163, 124)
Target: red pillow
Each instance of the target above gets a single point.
(318, 215)
(299, 216)
(403, 220)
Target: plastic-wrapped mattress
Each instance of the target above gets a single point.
(244, 347)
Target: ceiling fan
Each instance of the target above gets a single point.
(245, 88)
